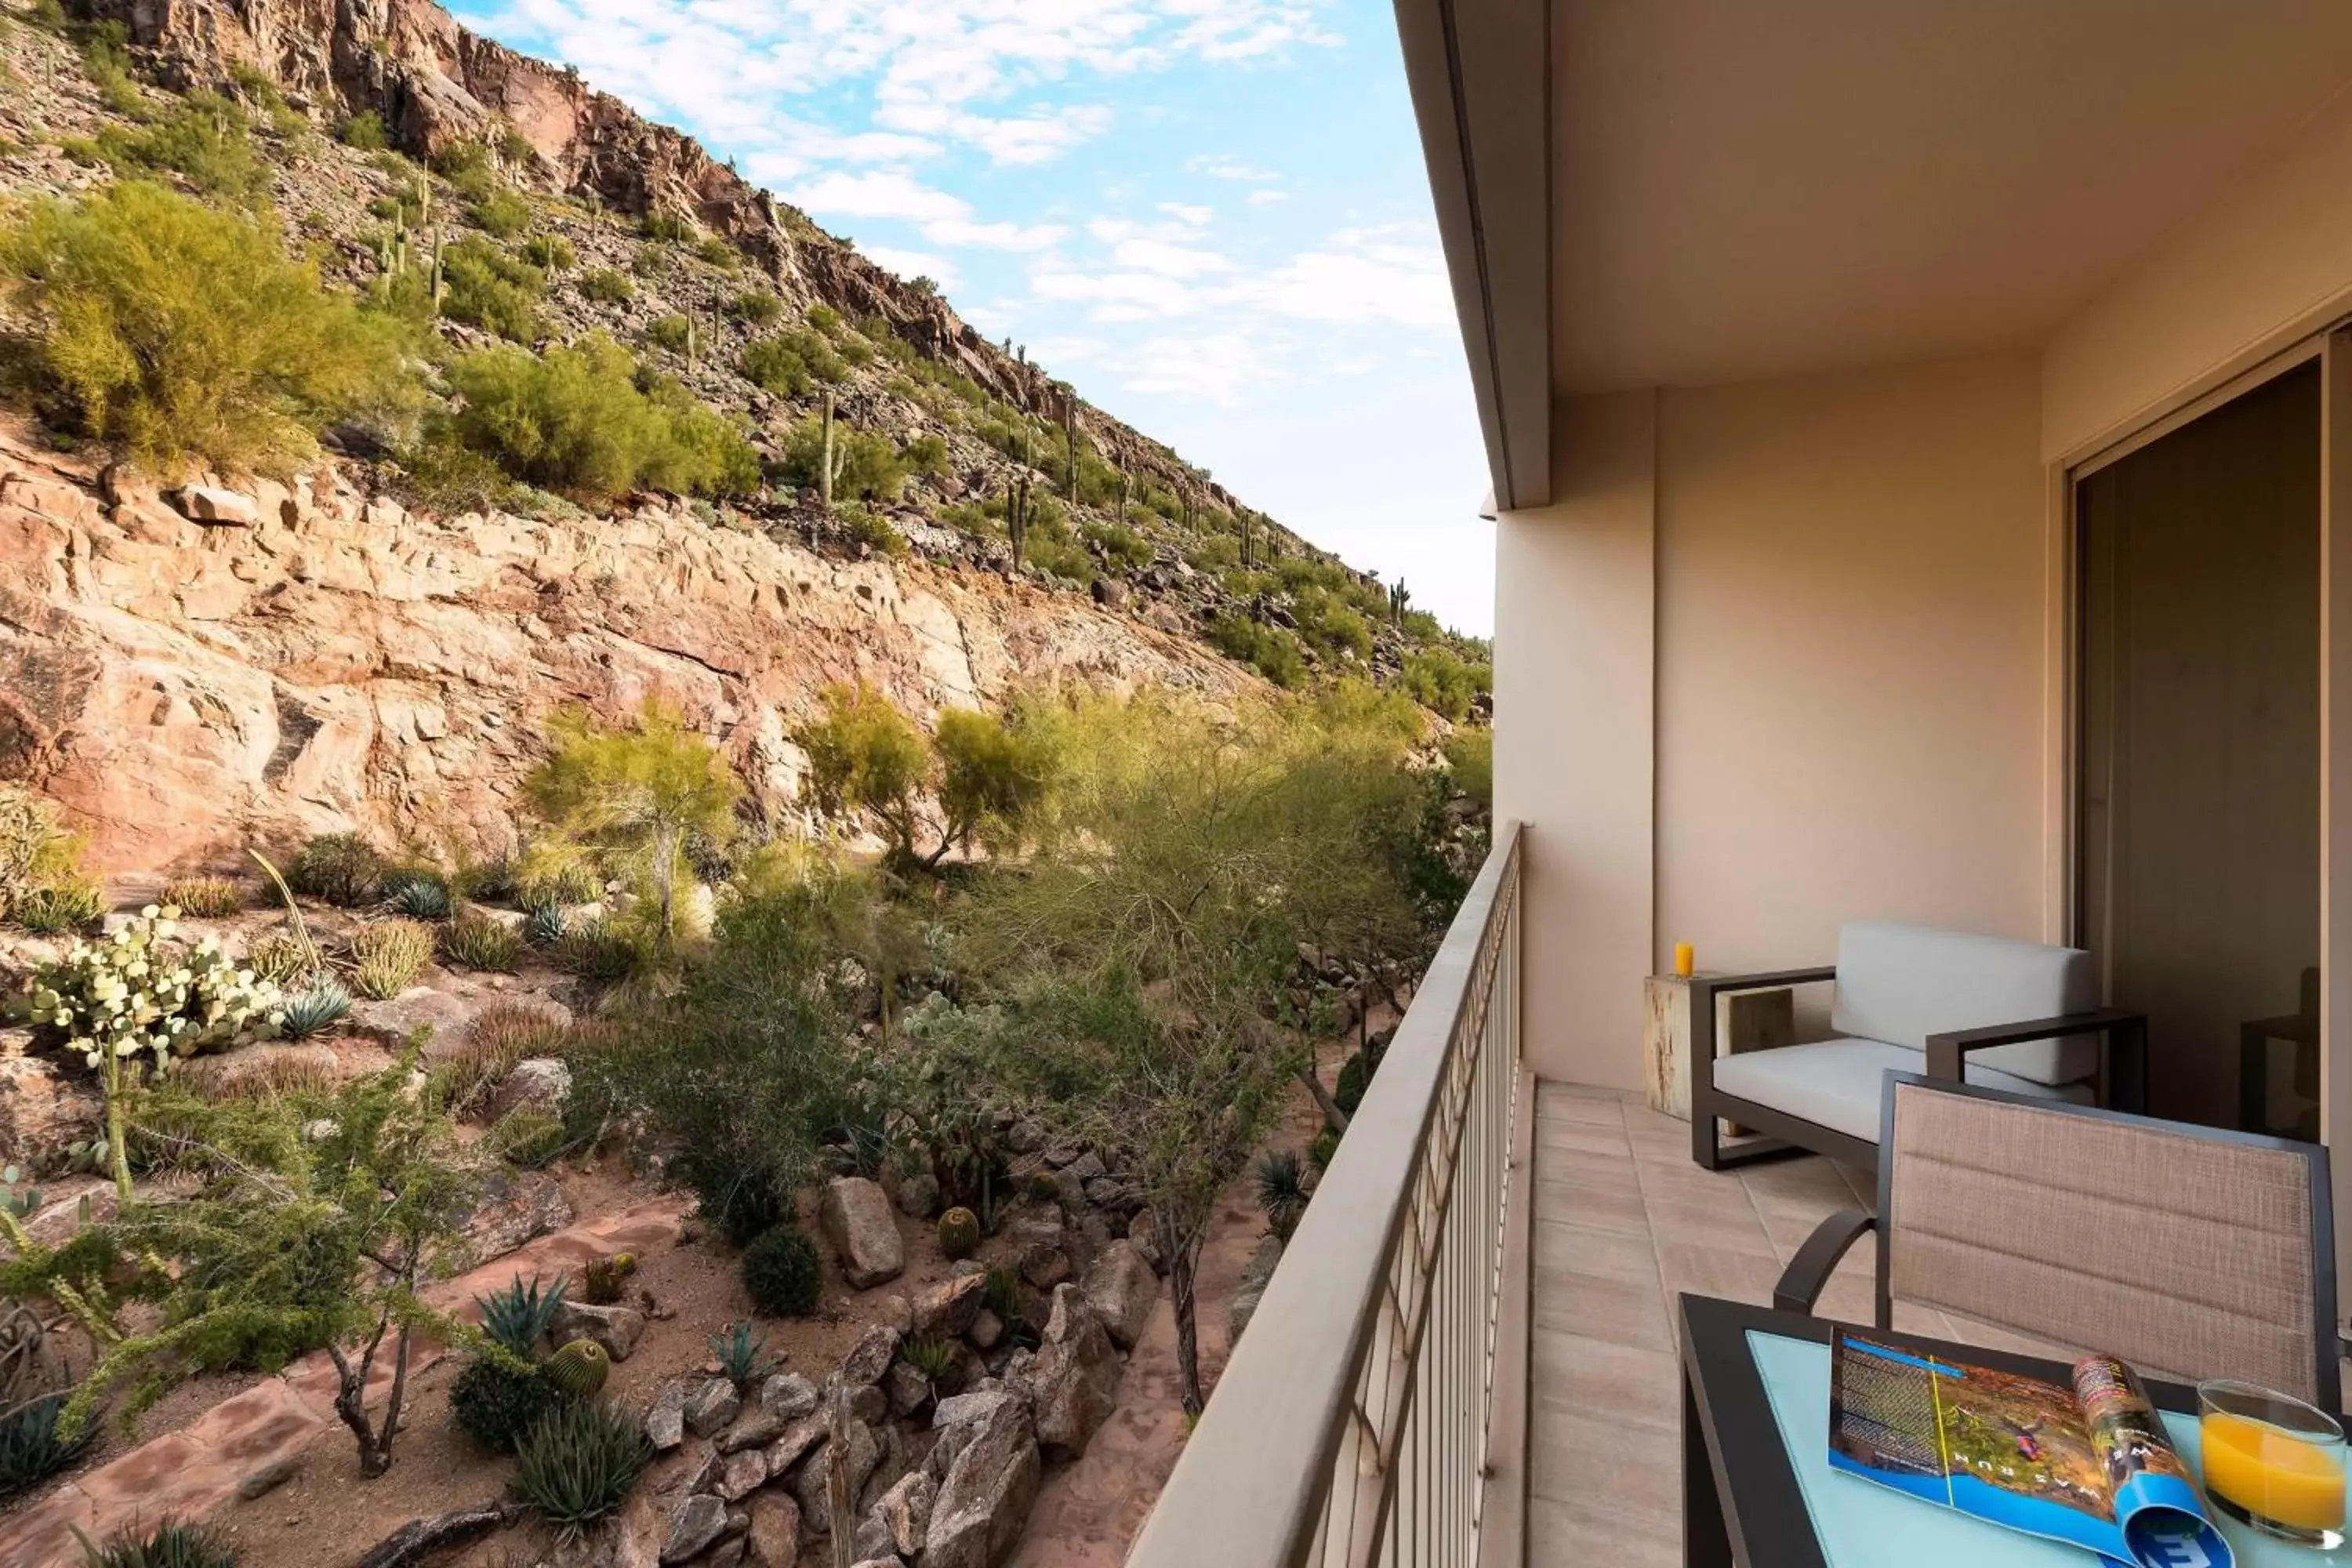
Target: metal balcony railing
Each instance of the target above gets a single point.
(1364, 1417)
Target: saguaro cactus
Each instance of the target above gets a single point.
(1399, 597)
(824, 460)
(439, 282)
(1070, 444)
(1249, 544)
(1016, 519)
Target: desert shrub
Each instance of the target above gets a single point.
(594, 950)
(481, 941)
(388, 955)
(1470, 760)
(719, 253)
(869, 760)
(496, 1404)
(933, 1355)
(574, 419)
(1119, 545)
(501, 213)
(488, 289)
(203, 898)
(60, 906)
(552, 253)
(36, 851)
(542, 925)
(342, 869)
(1053, 552)
(1319, 1151)
(825, 319)
(783, 1272)
(580, 1463)
(365, 130)
(515, 147)
(757, 306)
(166, 1545)
(789, 363)
(1272, 650)
(865, 465)
(1332, 624)
(1444, 682)
(525, 1137)
(142, 992)
(501, 1035)
(672, 333)
(200, 138)
(606, 287)
(865, 526)
(184, 334)
(312, 1011)
(927, 454)
(1213, 552)
(519, 1315)
(668, 229)
(557, 872)
(1280, 1179)
(280, 957)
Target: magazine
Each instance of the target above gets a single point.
(2089, 1464)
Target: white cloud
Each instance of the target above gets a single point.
(1386, 275)
(942, 217)
(913, 264)
(1224, 168)
(1167, 261)
(1266, 199)
(1184, 213)
(1220, 368)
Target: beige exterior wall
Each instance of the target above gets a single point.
(1573, 727)
(1850, 659)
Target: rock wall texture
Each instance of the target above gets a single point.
(309, 657)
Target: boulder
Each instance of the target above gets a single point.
(218, 506)
(710, 1407)
(699, 1521)
(1044, 1265)
(895, 1526)
(794, 1444)
(775, 1534)
(449, 1016)
(865, 1452)
(1089, 1167)
(909, 1390)
(42, 1110)
(540, 1083)
(1074, 1381)
(985, 1496)
(1070, 1189)
(1122, 1289)
(857, 1220)
(665, 1417)
(787, 1396)
(869, 1358)
(947, 1309)
(515, 1206)
(918, 1197)
(742, 1474)
(970, 1409)
(617, 1329)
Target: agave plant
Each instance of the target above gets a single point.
(579, 1463)
(519, 1315)
(933, 1355)
(741, 1354)
(544, 925)
(421, 898)
(170, 1544)
(319, 1008)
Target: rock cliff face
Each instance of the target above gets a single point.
(312, 658)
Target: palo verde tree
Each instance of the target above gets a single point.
(636, 794)
(978, 778)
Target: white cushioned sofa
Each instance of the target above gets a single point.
(2021, 1016)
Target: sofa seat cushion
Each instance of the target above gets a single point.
(1902, 984)
(1839, 1084)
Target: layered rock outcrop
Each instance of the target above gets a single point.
(187, 687)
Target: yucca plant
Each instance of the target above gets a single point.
(544, 925)
(933, 1355)
(166, 1545)
(204, 898)
(579, 1463)
(518, 1316)
(421, 898)
(1280, 1178)
(481, 942)
(31, 1448)
(742, 1353)
(388, 956)
(319, 1008)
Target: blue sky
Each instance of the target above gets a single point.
(1210, 215)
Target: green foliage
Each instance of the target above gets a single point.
(518, 1317)
(579, 1465)
(579, 1368)
(574, 419)
(927, 454)
(933, 1355)
(491, 290)
(482, 943)
(544, 925)
(1470, 760)
(496, 1404)
(60, 908)
(461, 161)
(783, 1273)
(648, 261)
(203, 898)
(869, 760)
(141, 992)
(865, 465)
(1120, 545)
(36, 853)
(634, 795)
(280, 957)
(608, 287)
(592, 950)
(388, 956)
(364, 131)
(602, 1279)
(1319, 1151)
(314, 1011)
(184, 336)
(671, 332)
(515, 147)
(756, 306)
(419, 898)
(1328, 622)
(1273, 651)
(501, 1035)
(789, 363)
(32, 1445)
(825, 318)
(166, 1545)
(342, 868)
(717, 252)
(866, 526)
(526, 1138)
(1443, 681)
(1280, 1180)
(1000, 1292)
(959, 1233)
(202, 139)
(669, 229)
(501, 213)
(741, 1354)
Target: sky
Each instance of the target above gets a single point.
(1210, 216)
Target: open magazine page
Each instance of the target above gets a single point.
(2014, 1451)
(2154, 1497)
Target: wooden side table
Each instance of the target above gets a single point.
(1744, 1021)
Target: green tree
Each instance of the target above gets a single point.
(185, 335)
(869, 760)
(639, 793)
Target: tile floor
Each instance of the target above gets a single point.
(1623, 1224)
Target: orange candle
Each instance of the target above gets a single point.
(1683, 958)
(2273, 1474)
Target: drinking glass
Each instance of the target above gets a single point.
(2273, 1462)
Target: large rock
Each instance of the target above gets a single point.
(858, 1221)
(536, 1083)
(443, 1014)
(1122, 1289)
(699, 1521)
(895, 1526)
(947, 1309)
(42, 1110)
(1074, 1381)
(741, 1474)
(775, 1533)
(869, 1358)
(515, 1206)
(710, 1406)
(665, 1418)
(617, 1329)
(864, 1451)
(985, 1498)
(222, 508)
(783, 1398)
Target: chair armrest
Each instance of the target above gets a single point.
(1946, 1052)
(1809, 1272)
(1711, 984)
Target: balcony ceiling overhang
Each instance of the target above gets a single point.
(1698, 192)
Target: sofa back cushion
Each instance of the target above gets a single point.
(1902, 984)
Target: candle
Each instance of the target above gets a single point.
(2274, 1475)
(1683, 958)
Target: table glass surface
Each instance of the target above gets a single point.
(1860, 1524)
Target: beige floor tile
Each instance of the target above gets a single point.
(1624, 1312)
(1576, 1167)
(1728, 1223)
(1635, 1471)
(1600, 1208)
(1582, 1111)
(1582, 1136)
(1575, 1372)
(1585, 1533)
(1605, 1254)
(1709, 1271)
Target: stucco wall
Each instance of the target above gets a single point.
(1573, 723)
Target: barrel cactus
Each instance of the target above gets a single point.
(578, 1369)
(959, 1233)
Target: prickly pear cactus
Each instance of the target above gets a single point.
(578, 1369)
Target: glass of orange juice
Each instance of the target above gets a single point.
(2273, 1462)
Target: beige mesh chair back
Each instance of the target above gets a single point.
(2189, 1252)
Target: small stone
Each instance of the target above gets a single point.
(710, 1407)
(907, 1389)
(787, 1394)
(1044, 1265)
(1063, 1154)
(727, 1554)
(742, 1474)
(947, 1309)
(869, 1358)
(1025, 1137)
(986, 1330)
(1070, 1189)
(535, 1083)
(1089, 1167)
(221, 507)
(869, 1404)
(775, 1534)
(617, 1329)
(799, 1438)
(898, 1312)
(906, 1510)
(270, 1476)
(918, 1197)
(969, 1409)
(699, 1521)
(665, 1421)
